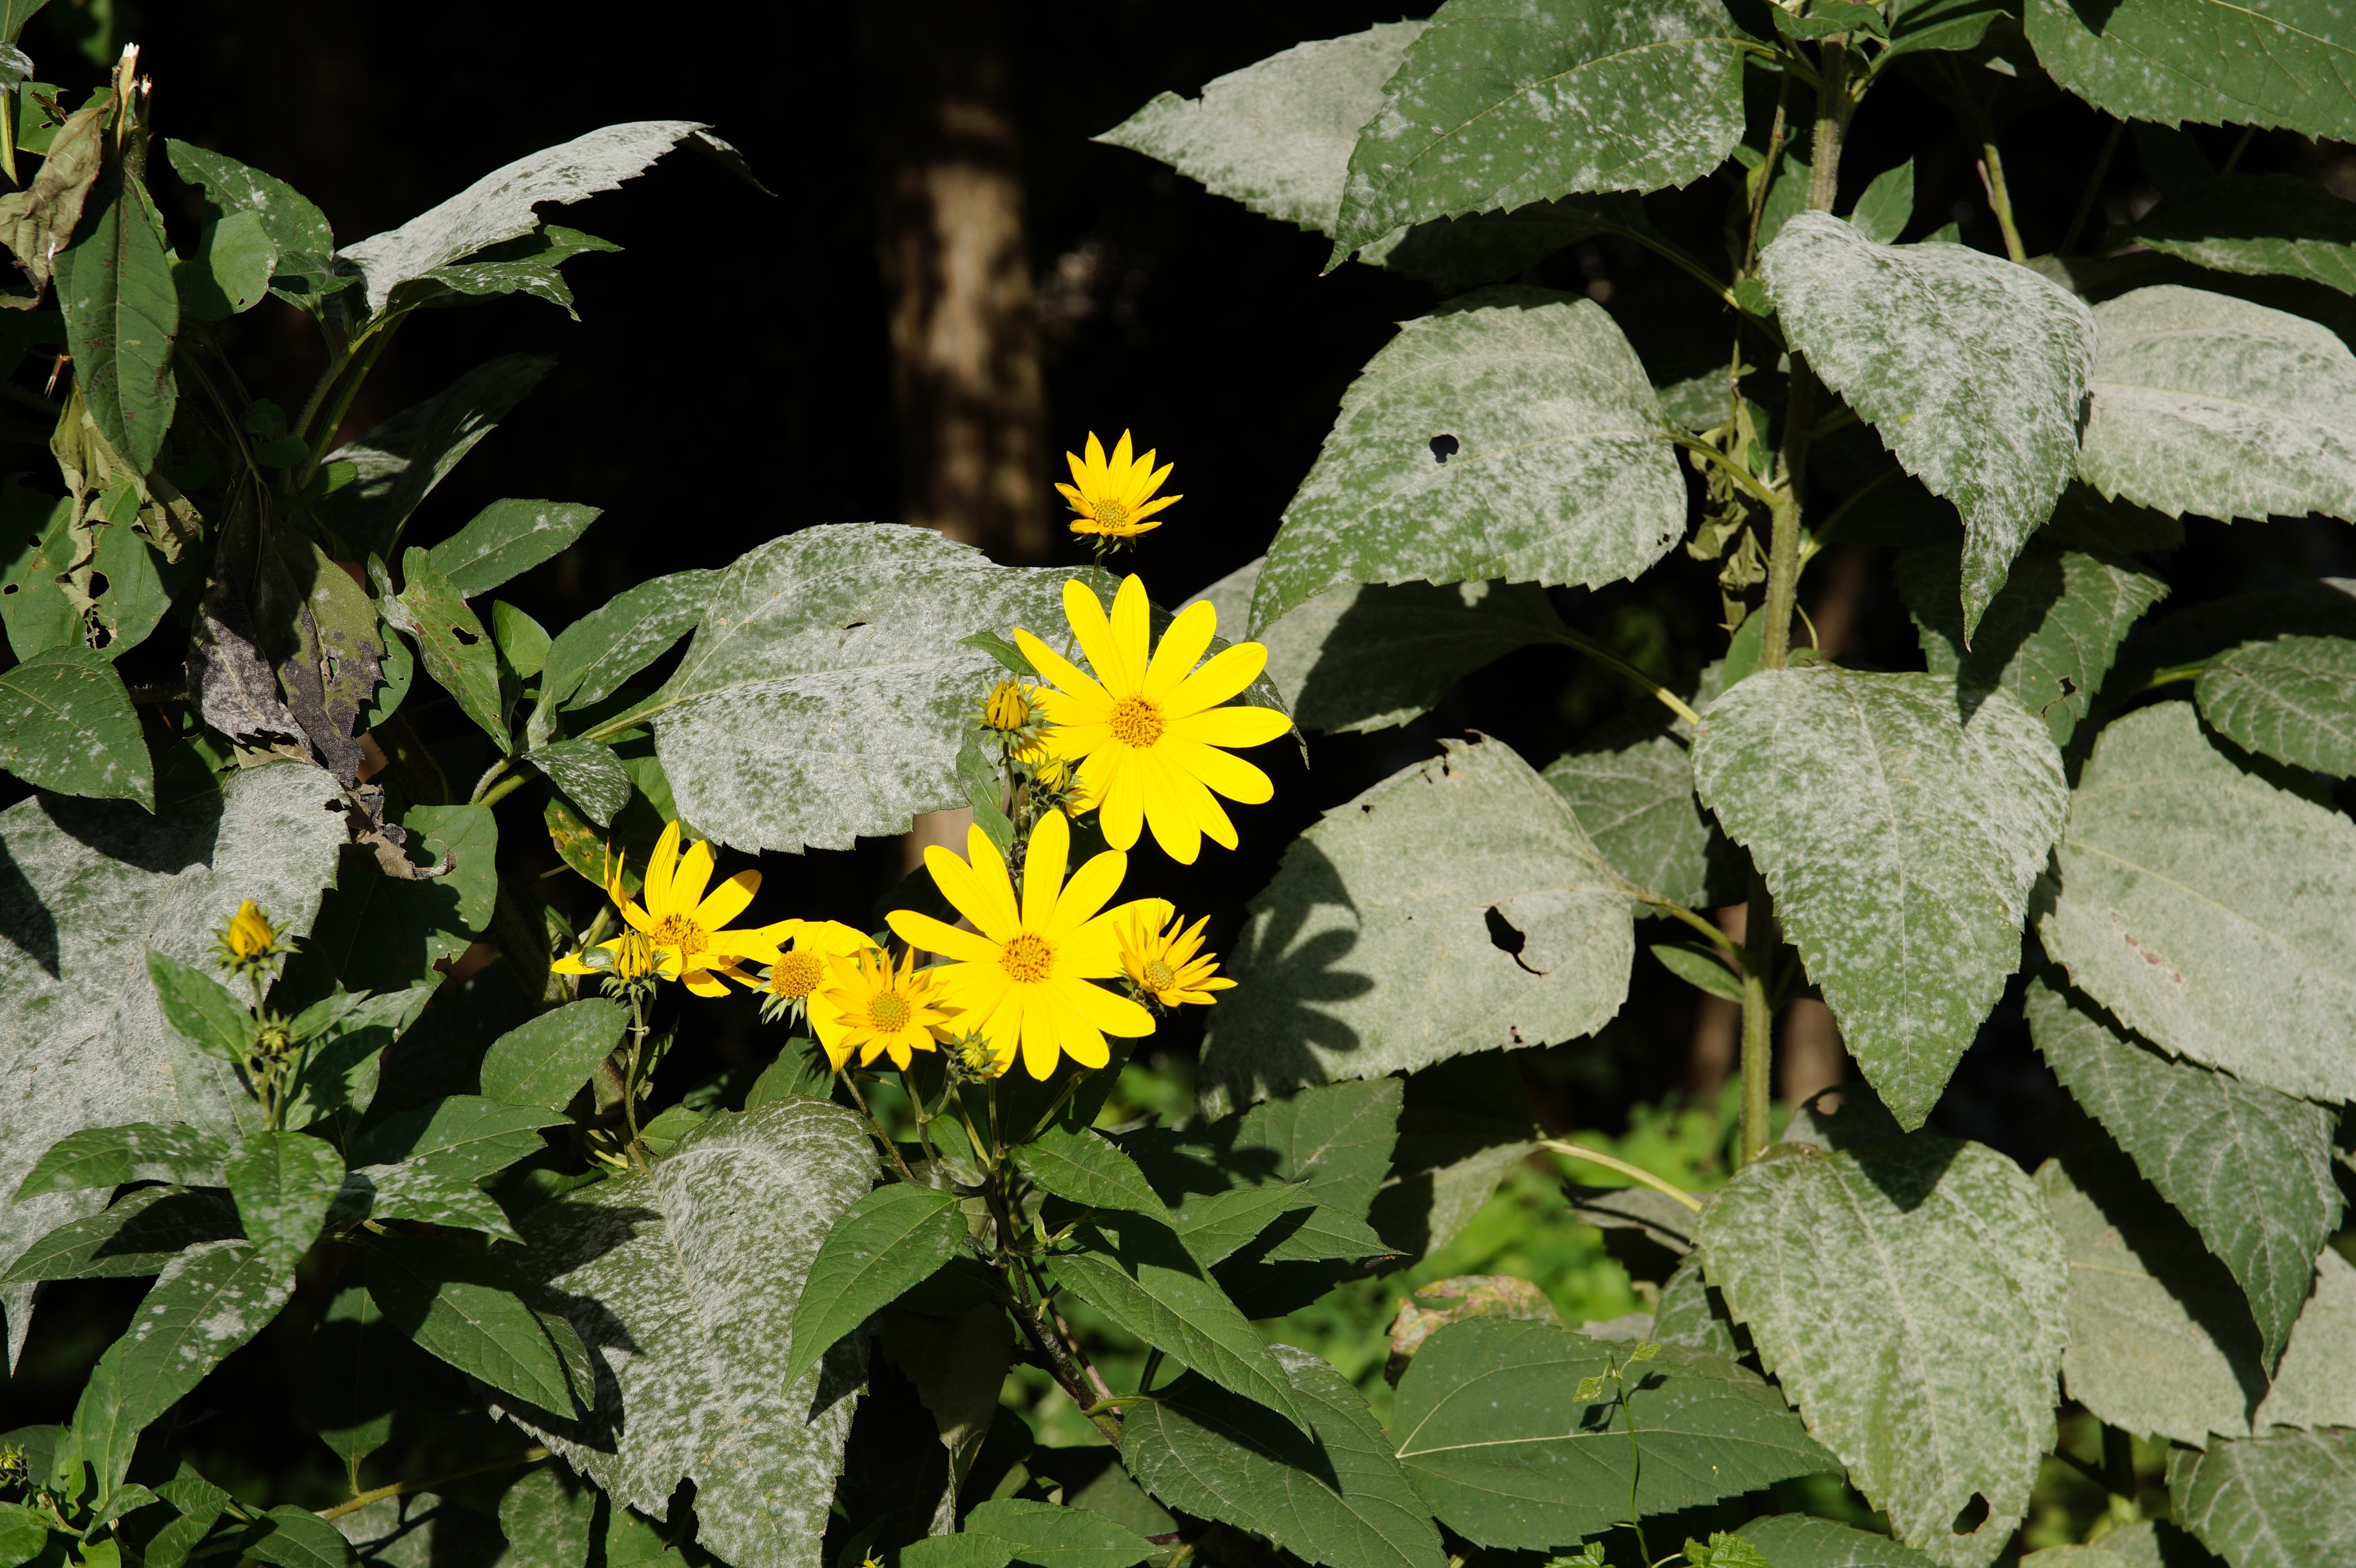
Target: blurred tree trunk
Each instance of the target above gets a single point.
(965, 361)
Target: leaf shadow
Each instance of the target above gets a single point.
(1908, 1169)
(1276, 1040)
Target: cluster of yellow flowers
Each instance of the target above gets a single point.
(1139, 736)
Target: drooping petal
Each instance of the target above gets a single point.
(1091, 888)
(1132, 631)
(1167, 810)
(1222, 676)
(727, 901)
(1227, 774)
(1231, 726)
(1188, 636)
(704, 983)
(1043, 870)
(922, 931)
(1081, 1040)
(687, 882)
(1110, 1012)
(660, 866)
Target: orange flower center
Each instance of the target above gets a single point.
(797, 973)
(889, 1012)
(1111, 513)
(1027, 958)
(1136, 722)
(681, 932)
(1160, 977)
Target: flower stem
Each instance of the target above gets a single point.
(850, 1081)
(2001, 199)
(1758, 1021)
(1634, 1172)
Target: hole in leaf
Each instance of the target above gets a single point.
(10, 589)
(1972, 1515)
(1443, 447)
(1502, 933)
(97, 584)
(853, 625)
(465, 636)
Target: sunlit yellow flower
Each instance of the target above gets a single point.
(683, 920)
(250, 934)
(1115, 499)
(1021, 978)
(877, 1010)
(796, 973)
(1146, 732)
(1162, 961)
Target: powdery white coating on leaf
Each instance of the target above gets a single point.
(1504, 103)
(2282, 225)
(499, 206)
(2286, 1500)
(1277, 135)
(1371, 657)
(1372, 951)
(2141, 1355)
(2207, 1141)
(1910, 1295)
(682, 1282)
(1562, 470)
(1795, 1541)
(2208, 404)
(2285, 63)
(1900, 842)
(2316, 1384)
(2293, 699)
(67, 724)
(2207, 909)
(95, 885)
(1971, 370)
(1636, 803)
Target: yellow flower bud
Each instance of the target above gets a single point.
(634, 955)
(1008, 706)
(249, 935)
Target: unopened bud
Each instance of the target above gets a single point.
(1008, 706)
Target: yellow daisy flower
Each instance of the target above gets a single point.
(1146, 732)
(684, 922)
(1162, 961)
(795, 973)
(876, 1010)
(1020, 980)
(1115, 499)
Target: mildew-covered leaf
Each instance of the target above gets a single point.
(67, 724)
(2316, 1384)
(1636, 803)
(1898, 1289)
(682, 1280)
(2174, 907)
(1900, 837)
(142, 1233)
(2286, 1500)
(399, 461)
(96, 884)
(2207, 1141)
(2291, 65)
(590, 659)
(2281, 225)
(2208, 404)
(1499, 104)
(507, 538)
(2048, 638)
(1037, 1534)
(284, 1183)
(1795, 1541)
(1511, 433)
(1454, 907)
(2293, 699)
(1971, 370)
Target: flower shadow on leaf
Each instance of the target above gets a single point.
(1262, 1033)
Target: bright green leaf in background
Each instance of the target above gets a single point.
(2290, 64)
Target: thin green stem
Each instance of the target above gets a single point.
(850, 1081)
(1828, 532)
(2173, 674)
(2094, 188)
(1758, 1021)
(9, 134)
(1767, 171)
(630, 1078)
(504, 789)
(403, 1488)
(1744, 480)
(490, 775)
(2001, 199)
(2240, 146)
(1613, 1162)
(366, 352)
(1723, 942)
(1153, 1365)
(1605, 656)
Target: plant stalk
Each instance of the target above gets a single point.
(401, 1489)
(2001, 199)
(1758, 1021)
(1634, 1172)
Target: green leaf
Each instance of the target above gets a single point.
(1795, 1541)
(499, 206)
(100, 883)
(827, 691)
(1081, 1165)
(1899, 837)
(23, 1534)
(200, 1010)
(2175, 909)
(1724, 1551)
(2159, 1339)
(67, 724)
(1701, 968)
(1465, 1124)
(531, 264)
(464, 1136)
(1454, 907)
(1887, 205)
(522, 641)
(399, 461)
(137, 1237)
(1898, 1288)
(207, 1301)
(2293, 699)
(115, 288)
(2208, 404)
(1971, 370)
(544, 1063)
(38, 221)
(591, 776)
(472, 1309)
(958, 1365)
(298, 232)
(2048, 638)
(2288, 1501)
(284, 1183)
(591, 658)
(1636, 803)
(300, 1539)
(2206, 1141)
(1490, 1424)
(1692, 1313)
(684, 1279)
(2290, 66)
(458, 650)
(382, 932)
(1333, 1141)
(38, 615)
(1341, 1500)
(356, 1371)
(423, 1192)
(1040, 1535)
(1277, 135)
(895, 1237)
(2316, 1384)
(1212, 1226)
(1142, 1278)
(550, 1520)
(139, 1151)
(230, 270)
(1511, 433)
(1495, 106)
(507, 538)
(2257, 225)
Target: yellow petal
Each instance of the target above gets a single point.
(660, 865)
(987, 902)
(1112, 1013)
(571, 964)
(922, 931)
(1081, 1040)
(1120, 464)
(1111, 778)
(704, 983)
(687, 882)
(1132, 630)
(639, 919)
(1095, 635)
(1060, 670)
(1042, 869)
(830, 936)
(1096, 462)
(1137, 518)
(1230, 726)
(1187, 639)
(1167, 810)
(1091, 889)
(727, 901)
(1225, 673)
(1229, 775)
(1039, 1043)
